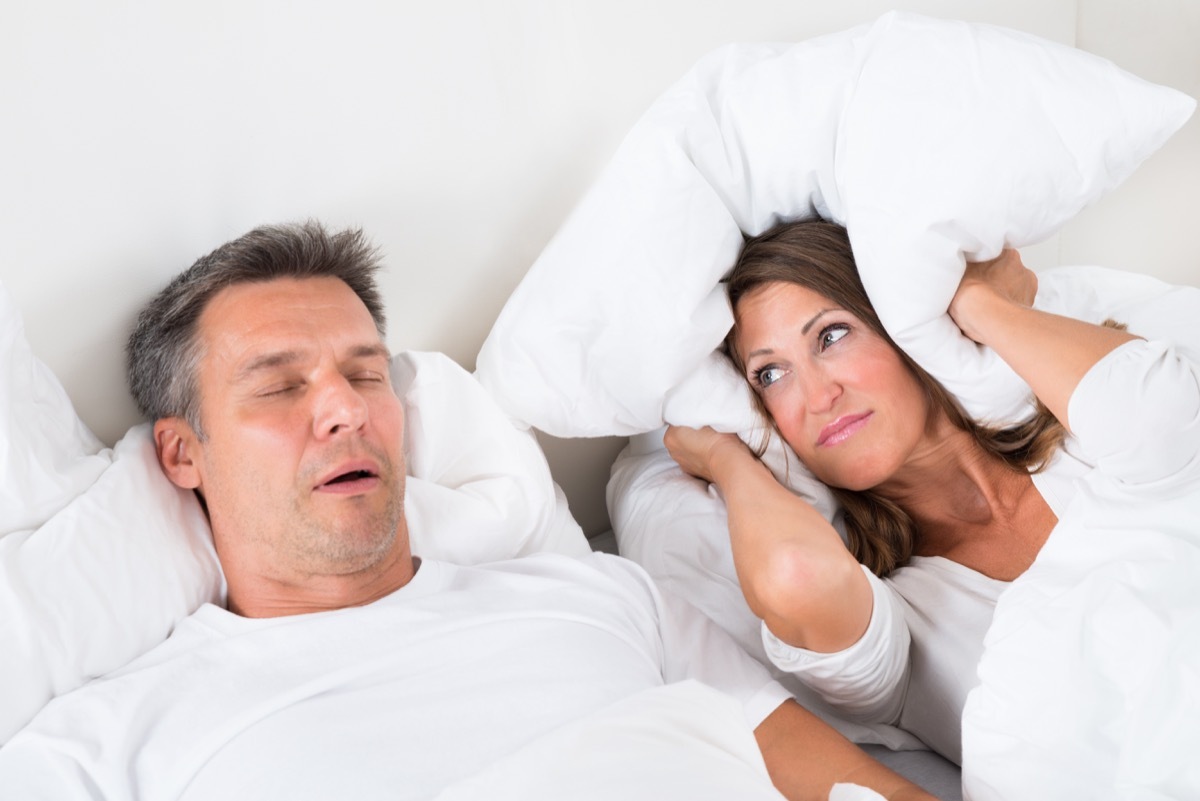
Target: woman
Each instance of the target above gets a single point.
(945, 511)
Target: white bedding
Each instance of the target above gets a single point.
(683, 740)
(1090, 678)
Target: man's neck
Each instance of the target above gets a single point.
(262, 596)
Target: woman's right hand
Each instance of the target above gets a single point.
(695, 449)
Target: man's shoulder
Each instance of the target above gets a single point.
(546, 563)
(600, 570)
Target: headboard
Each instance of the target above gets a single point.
(459, 135)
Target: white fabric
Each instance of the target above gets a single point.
(930, 139)
(101, 554)
(1088, 682)
(678, 741)
(102, 581)
(478, 488)
(47, 455)
(398, 699)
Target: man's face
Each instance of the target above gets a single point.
(302, 462)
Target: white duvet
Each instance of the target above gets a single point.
(1090, 678)
(681, 740)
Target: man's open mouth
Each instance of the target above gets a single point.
(353, 475)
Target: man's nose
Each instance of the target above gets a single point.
(338, 408)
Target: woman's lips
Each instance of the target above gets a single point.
(842, 429)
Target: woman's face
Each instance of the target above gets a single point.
(838, 392)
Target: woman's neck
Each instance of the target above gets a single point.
(970, 505)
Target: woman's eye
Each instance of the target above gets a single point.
(831, 334)
(766, 376)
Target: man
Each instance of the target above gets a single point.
(343, 666)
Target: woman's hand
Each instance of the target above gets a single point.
(994, 307)
(1004, 278)
(792, 565)
(696, 449)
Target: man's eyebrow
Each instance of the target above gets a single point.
(375, 349)
(283, 358)
(267, 361)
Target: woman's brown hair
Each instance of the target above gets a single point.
(817, 255)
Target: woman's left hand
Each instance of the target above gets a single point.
(1005, 277)
(994, 307)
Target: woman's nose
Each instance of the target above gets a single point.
(821, 392)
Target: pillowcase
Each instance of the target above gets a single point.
(478, 488)
(933, 141)
(111, 569)
(102, 581)
(47, 455)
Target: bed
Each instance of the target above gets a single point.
(459, 136)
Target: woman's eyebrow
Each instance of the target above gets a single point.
(808, 326)
(804, 330)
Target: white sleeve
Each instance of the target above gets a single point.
(694, 647)
(1136, 414)
(867, 681)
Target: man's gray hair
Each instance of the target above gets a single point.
(164, 350)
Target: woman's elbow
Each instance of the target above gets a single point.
(818, 600)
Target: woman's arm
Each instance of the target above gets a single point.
(805, 757)
(791, 563)
(993, 306)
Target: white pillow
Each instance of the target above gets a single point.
(479, 489)
(47, 455)
(102, 581)
(112, 570)
(930, 139)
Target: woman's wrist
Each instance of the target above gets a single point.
(728, 455)
(977, 308)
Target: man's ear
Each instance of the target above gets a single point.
(178, 450)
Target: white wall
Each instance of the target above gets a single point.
(1149, 223)
(139, 135)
